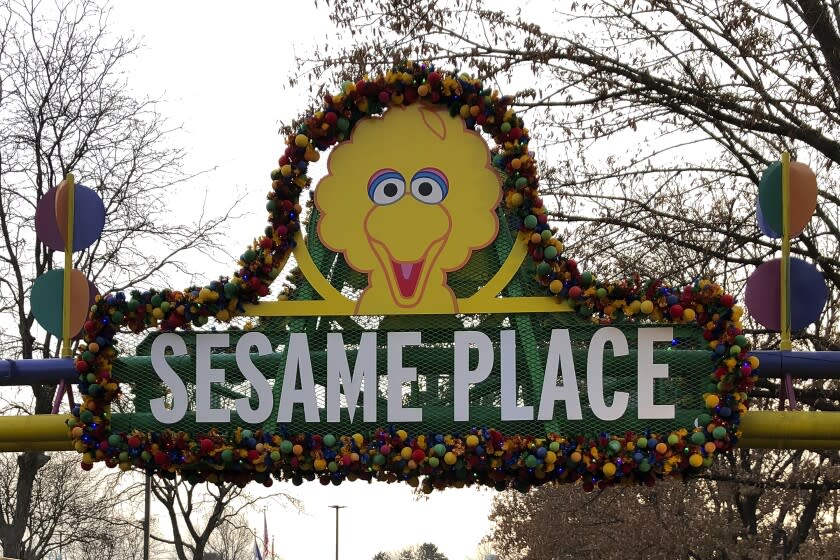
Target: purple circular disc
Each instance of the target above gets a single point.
(46, 227)
(808, 294)
(88, 219)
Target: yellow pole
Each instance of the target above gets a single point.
(784, 283)
(68, 267)
(789, 429)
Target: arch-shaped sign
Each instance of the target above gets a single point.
(432, 328)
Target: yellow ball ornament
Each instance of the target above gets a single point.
(712, 401)
(609, 469)
(472, 440)
(556, 286)
(646, 307)
(696, 460)
(301, 140)
(450, 458)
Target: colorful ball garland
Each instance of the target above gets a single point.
(482, 456)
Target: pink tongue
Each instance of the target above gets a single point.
(407, 275)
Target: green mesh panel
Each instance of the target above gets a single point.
(687, 357)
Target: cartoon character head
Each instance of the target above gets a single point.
(407, 199)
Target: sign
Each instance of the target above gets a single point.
(431, 330)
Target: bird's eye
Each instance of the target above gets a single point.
(386, 186)
(429, 185)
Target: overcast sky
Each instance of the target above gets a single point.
(221, 72)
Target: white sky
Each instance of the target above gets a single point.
(222, 71)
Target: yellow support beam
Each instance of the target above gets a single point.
(770, 429)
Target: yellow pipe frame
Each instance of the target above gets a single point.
(768, 429)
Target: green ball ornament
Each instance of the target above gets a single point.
(86, 416)
(246, 434)
(87, 356)
(642, 443)
(379, 459)
(146, 456)
(231, 289)
(505, 127)
(698, 438)
(614, 446)
(332, 466)
(71, 423)
(124, 456)
(90, 378)
(586, 279)
(286, 446)
(165, 307)
(734, 350)
(704, 419)
(673, 439)
(601, 293)
(133, 304)
(275, 455)
(531, 461)
(117, 317)
(329, 440)
(249, 255)
(554, 446)
(719, 432)
(440, 450)
(550, 252)
(343, 125)
(434, 462)
(227, 455)
(521, 183)
(741, 340)
(644, 466)
(546, 234)
(543, 269)
(271, 205)
(530, 221)
(114, 440)
(94, 389)
(156, 301)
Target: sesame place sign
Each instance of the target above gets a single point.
(430, 328)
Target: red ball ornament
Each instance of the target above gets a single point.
(266, 243)
(90, 326)
(86, 466)
(331, 118)
(161, 458)
(133, 441)
(676, 311)
(418, 455)
(727, 300)
(81, 366)
(434, 77)
(207, 446)
(574, 292)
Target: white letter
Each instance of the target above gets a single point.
(338, 373)
(298, 360)
(265, 399)
(648, 371)
(560, 356)
(397, 375)
(511, 412)
(595, 374)
(205, 376)
(170, 378)
(464, 376)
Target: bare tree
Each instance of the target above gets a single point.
(197, 511)
(71, 510)
(232, 539)
(64, 107)
(654, 121)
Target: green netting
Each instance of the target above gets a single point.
(687, 358)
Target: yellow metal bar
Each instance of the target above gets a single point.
(68, 266)
(34, 428)
(784, 308)
(760, 429)
(20, 447)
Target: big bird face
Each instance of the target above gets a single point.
(407, 199)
